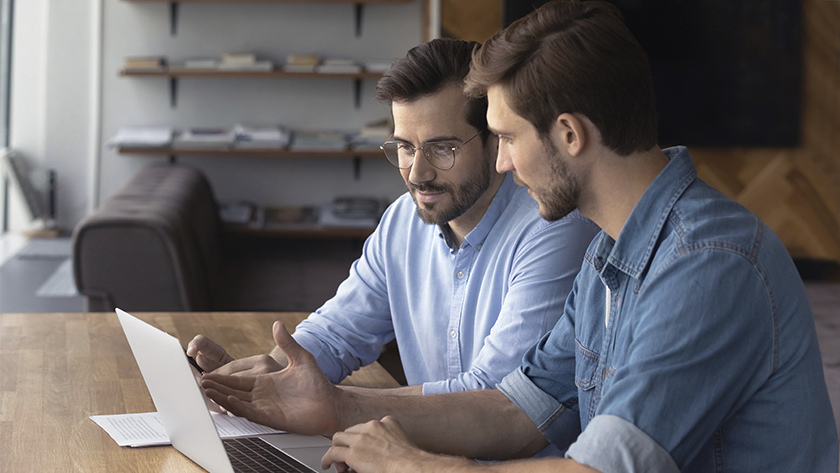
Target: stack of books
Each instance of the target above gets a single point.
(142, 137)
(244, 62)
(372, 135)
(144, 63)
(204, 138)
(261, 137)
(301, 62)
(320, 140)
(338, 66)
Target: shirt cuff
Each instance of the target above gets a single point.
(611, 444)
(559, 424)
(314, 346)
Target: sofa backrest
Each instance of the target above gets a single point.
(153, 246)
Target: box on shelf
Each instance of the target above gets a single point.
(142, 137)
(144, 63)
(205, 138)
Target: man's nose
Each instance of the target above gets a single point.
(503, 161)
(421, 171)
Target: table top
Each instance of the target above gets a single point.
(57, 370)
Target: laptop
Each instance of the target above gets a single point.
(183, 410)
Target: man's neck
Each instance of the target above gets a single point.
(463, 225)
(616, 184)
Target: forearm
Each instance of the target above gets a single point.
(476, 424)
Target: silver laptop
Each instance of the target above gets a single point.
(183, 409)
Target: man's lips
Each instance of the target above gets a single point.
(427, 196)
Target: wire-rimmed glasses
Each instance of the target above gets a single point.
(439, 154)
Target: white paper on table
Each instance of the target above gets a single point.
(146, 429)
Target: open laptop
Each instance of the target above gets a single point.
(183, 410)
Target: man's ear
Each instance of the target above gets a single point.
(570, 133)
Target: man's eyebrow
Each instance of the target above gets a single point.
(495, 132)
(430, 140)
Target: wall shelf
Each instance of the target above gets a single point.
(173, 73)
(174, 153)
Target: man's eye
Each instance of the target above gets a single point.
(439, 148)
(405, 147)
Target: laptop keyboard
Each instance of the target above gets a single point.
(252, 454)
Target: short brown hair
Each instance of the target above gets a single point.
(427, 69)
(577, 57)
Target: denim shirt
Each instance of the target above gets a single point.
(692, 345)
(462, 316)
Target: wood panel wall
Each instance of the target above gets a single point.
(796, 191)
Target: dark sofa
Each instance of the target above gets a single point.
(158, 245)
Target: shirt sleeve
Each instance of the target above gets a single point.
(702, 345)
(540, 278)
(347, 332)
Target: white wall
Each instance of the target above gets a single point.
(54, 64)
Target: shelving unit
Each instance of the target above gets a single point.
(175, 72)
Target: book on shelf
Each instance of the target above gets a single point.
(239, 58)
(201, 63)
(144, 63)
(261, 136)
(303, 59)
(279, 217)
(377, 65)
(355, 212)
(202, 138)
(372, 135)
(236, 213)
(142, 137)
(318, 140)
(259, 66)
(338, 66)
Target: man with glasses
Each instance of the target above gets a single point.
(461, 270)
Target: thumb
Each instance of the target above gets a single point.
(294, 352)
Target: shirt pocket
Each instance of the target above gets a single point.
(586, 365)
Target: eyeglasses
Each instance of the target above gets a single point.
(439, 154)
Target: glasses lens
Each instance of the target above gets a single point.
(440, 155)
(392, 152)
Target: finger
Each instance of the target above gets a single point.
(229, 384)
(335, 456)
(232, 404)
(287, 344)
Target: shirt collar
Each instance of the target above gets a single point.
(500, 201)
(631, 253)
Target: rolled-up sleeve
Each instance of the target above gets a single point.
(611, 444)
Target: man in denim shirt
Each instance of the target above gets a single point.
(686, 344)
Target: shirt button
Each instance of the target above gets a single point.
(460, 275)
(453, 334)
(478, 246)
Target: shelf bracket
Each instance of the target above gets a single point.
(173, 92)
(357, 167)
(173, 159)
(360, 7)
(357, 93)
(173, 18)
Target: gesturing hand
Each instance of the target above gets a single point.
(207, 353)
(378, 446)
(298, 399)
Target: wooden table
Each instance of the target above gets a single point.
(56, 370)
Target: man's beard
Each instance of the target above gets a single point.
(563, 193)
(462, 197)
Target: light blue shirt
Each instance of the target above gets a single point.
(462, 317)
(686, 345)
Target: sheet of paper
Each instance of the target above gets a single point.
(146, 429)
